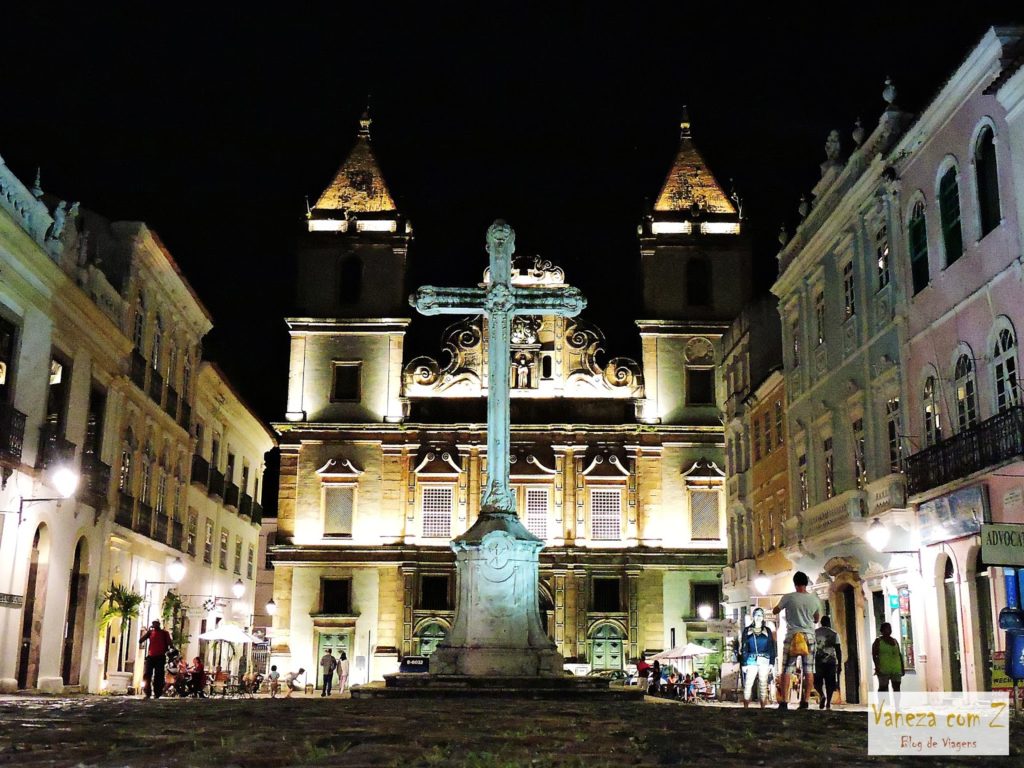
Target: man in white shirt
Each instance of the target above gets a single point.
(803, 609)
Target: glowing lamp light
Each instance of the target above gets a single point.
(877, 535)
(176, 570)
(762, 583)
(65, 480)
(238, 589)
(271, 608)
(705, 611)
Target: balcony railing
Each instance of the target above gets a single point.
(125, 509)
(231, 495)
(992, 442)
(257, 512)
(171, 406)
(162, 523)
(185, 416)
(12, 432)
(144, 519)
(54, 448)
(177, 535)
(138, 369)
(156, 386)
(95, 481)
(200, 471)
(216, 483)
(245, 505)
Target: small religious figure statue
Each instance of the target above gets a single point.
(522, 372)
(832, 147)
(757, 657)
(59, 216)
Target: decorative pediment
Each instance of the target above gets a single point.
(461, 374)
(337, 469)
(620, 376)
(703, 473)
(537, 461)
(437, 461)
(533, 271)
(606, 462)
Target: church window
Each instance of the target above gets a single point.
(224, 538)
(849, 291)
(208, 543)
(966, 393)
(895, 434)
(339, 504)
(605, 514)
(932, 424)
(918, 237)
(700, 386)
(435, 593)
(537, 512)
(1004, 361)
(698, 282)
(819, 315)
(346, 385)
(607, 594)
(949, 216)
(437, 511)
(830, 467)
(882, 256)
(336, 596)
(351, 281)
(238, 555)
(987, 174)
(704, 515)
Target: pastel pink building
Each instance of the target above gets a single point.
(959, 168)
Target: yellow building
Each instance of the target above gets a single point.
(616, 464)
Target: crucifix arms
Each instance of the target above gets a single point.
(430, 300)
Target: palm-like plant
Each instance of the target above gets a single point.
(122, 604)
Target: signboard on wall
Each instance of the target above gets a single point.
(1002, 544)
(953, 516)
(11, 601)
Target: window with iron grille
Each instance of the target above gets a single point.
(704, 515)
(224, 549)
(537, 512)
(437, 512)
(605, 514)
(339, 501)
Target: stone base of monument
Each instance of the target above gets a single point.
(420, 686)
(501, 662)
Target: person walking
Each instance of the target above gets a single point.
(757, 657)
(153, 672)
(803, 609)
(275, 681)
(327, 665)
(828, 660)
(888, 658)
(342, 672)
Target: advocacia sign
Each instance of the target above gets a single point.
(1002, 544)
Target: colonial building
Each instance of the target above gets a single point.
(617, 463)
(99, 374)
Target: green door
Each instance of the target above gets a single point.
(430, 636)
(337, 642)
(607, 648)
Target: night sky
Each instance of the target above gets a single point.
(213, 124)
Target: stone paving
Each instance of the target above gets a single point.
(482, 733)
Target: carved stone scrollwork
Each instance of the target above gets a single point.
(620, 375)
(463, 348)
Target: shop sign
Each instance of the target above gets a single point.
(1013, 501)
(894, 602)
(1002, 544)
(904, 601)
(11, 601)
(953, 516)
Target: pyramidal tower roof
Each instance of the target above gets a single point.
(358, 186)
(690, 183)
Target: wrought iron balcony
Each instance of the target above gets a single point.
(144, 519)
(54, 448)
(12, 433)
(200, 471)
(185, 416)
(245, 505)
(162, 523)
(95, 481)
(216, 483)
(156, 386)
(125, 509)
(257, 512)
(138, 370)
(992, 442)
(171, 405)
(231, 495)
(177, 535)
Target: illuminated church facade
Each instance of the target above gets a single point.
(618, 464)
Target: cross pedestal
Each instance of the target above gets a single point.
(497, 629)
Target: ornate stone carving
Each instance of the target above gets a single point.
(699, 351)
(464, 347)
(584, 342)
(525, 329)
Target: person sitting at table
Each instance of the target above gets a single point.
(197, 678)
(700, 686)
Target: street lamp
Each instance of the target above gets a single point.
(762, 583)
(238, 589)
(705, 611)
(65, 480)
(877, 535)
(176, 570)
(271, 608)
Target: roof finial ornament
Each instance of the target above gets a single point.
(889, 92)
(832, 147)
(783, 235)
(804, 208)
(309, 211)
(858, 133)
(684, 123)
(37, 188)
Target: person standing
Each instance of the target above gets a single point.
(888, 658)
(342, 672)
(153, 672)
(327, 665)
(757, 657)
(828, 660)
(803, 609)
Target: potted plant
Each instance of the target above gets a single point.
(172, 611)
(119, 604)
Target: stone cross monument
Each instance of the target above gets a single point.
(497, 629)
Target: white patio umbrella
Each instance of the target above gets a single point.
(688, 651)
(229, 633)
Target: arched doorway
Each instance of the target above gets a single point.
(32, 611)
(951, 633)
(983, 620)
(606, 647)
(546, 606)
(74, 633)
(430, 636)
(846, 626)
